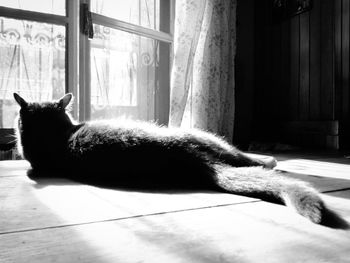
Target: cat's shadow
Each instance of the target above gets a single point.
(330, 219)
(45, 179)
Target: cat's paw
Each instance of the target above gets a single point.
(270, 163)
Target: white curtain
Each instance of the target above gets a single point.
(202, 78)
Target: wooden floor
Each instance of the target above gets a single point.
(63, 221)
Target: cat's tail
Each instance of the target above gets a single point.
(272, 186)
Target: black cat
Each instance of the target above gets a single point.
(130, 152)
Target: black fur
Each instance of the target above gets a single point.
(130, 152)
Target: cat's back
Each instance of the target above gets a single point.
(128, 133)
(119, 135)
(123, 129)
(133, 146)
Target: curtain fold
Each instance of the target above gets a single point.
(202, 78)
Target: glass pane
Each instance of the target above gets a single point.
(57, 7)
(145, 13)
(32, 64)
(124, 74)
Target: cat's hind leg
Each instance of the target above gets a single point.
(221, 151)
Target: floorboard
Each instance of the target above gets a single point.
(254, 232)
(27, 204)
(58, 220)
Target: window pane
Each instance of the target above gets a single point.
(145, 13)
(32, 64)
(57, 7)
(125, 74)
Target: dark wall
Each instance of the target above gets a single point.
(245, 82)
(301, 74)
(342, 69)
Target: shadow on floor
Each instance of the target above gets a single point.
(330, 218)
(333, 220)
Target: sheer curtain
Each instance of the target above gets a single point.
(202, 78)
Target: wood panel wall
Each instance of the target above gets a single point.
(302, 75)
(342, 69)
(244, 73)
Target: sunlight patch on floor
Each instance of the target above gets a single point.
(74, 204)
(317, 168)
(12, 168)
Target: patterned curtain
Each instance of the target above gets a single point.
(202, 78)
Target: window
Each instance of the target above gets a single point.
(33, 42)
(129, 59)
(32, 63)
(123, 70)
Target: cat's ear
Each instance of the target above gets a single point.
(65, 100)
(21, 102)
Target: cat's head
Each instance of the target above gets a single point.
(42, 127)
(60, 104)
(45, 113)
